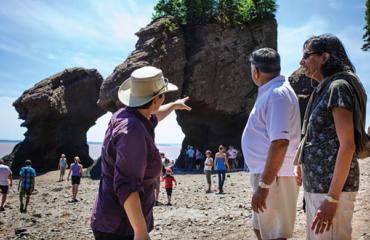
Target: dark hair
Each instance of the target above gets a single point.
(338, 60)
(148, 104)
(266, 60)
(28, 162)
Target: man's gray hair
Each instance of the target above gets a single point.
(266, 60)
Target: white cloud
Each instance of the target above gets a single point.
(10, 124)
(335, 4)
(291, 39)
(168, 131)
(51, 56)
(96, 132)
(104, 66)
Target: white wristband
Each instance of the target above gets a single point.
(331, 199)
(263, 185)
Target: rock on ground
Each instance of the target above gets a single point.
(194, 214)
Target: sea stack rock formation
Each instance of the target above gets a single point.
(210, 64)
(57, 112)
(303, 86)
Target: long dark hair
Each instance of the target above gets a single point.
(338, 60)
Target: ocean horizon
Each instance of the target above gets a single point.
(171, 150)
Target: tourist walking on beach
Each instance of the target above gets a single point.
(26, 184)
(221, 165)
(199, 157)
(76, 170)
(333, 130)
(189, 158)
(164, 161)
(168, 184)
(269, 143)
(62, 165)
(130, 162)
(232, 153)
(6, 180)
(208, 165)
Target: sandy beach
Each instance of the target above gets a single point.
(194, 214)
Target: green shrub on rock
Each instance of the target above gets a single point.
(225, 12)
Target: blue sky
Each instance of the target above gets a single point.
(39, 38)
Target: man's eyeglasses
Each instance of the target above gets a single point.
(164, 86)
(308, 54)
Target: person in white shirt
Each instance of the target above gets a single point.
(6, 180)
(269, 143)
(208, 165)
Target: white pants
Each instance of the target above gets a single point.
(277, 221)
(342, 227)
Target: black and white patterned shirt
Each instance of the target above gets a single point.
(322, 145)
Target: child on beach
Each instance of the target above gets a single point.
(168, 184)
(208, 164)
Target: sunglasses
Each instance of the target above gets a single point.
(308, 54)
(164, 86)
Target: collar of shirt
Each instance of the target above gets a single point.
(271, 83)
(149, 124)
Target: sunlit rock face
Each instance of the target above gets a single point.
(57, 112)
(303, 86)
(210, 64)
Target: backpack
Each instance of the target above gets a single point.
(362, 138)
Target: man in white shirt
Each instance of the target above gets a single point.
(5, 174)
(269, 142)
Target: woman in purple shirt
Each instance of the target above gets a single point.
(130, 160)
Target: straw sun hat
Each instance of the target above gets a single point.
(143, 85)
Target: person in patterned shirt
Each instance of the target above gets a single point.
(329, 168)
(26, 184)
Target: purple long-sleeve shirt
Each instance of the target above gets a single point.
(130, 163)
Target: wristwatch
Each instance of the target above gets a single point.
(331, 199)
(263, 185)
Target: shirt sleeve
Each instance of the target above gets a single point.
(21, 173)
(277, 118)
(131, 162)
(341, 95)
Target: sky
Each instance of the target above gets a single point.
(39, 38)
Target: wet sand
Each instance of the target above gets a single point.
(194, 214)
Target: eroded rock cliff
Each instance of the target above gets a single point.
(57, 112)
(209, 63)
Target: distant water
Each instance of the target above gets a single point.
(171, 151)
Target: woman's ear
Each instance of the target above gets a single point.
(325, 57)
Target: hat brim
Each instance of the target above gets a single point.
(125, 96)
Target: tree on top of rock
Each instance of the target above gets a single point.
(366, 36)
(225, 12)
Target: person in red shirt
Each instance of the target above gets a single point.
(168, 184)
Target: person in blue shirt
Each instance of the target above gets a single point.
(26, 184)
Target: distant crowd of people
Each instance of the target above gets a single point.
(194, 158)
